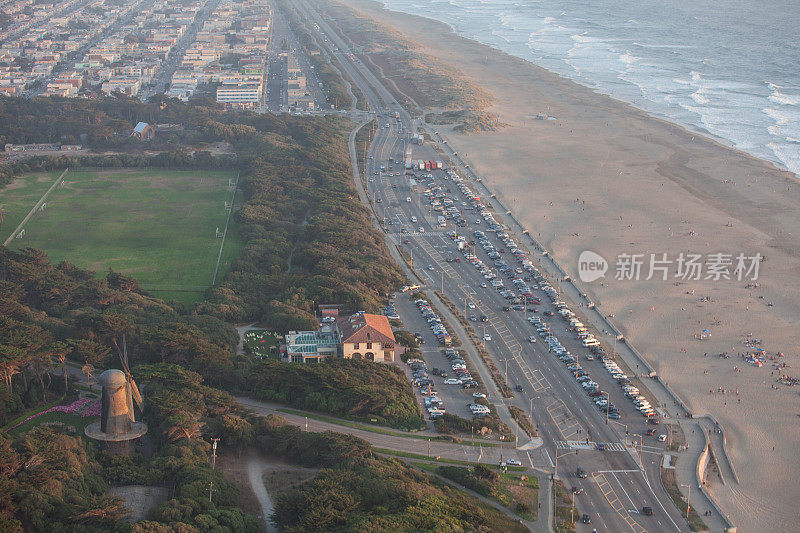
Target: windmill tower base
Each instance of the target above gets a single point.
(119, 444)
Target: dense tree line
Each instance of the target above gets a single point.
(355, 389)
(379, 494)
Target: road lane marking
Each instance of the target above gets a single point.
(613, 500)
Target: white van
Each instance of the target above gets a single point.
(590, 342)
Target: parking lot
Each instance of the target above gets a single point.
(455, 399)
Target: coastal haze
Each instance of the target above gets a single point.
(644, 185)
(725, 68)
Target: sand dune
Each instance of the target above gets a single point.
(676, 191)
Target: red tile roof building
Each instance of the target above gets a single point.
(366, 336)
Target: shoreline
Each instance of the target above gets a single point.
(678, 191)
(686, 128)
(689, 127)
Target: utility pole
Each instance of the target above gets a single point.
(429, 447)
(210, 491)
(214, 453)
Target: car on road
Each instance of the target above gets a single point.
(662, 437)
(581, 473)
(531, 339)
(484, 318)
(513, 462)
(518, 388)
(471, 305)
(421, 229)
(487, 337)
(478, 395)
(483, 285)
(647, 511)
(577, 490)
(430, 267)
(650, 431)
(586, 519)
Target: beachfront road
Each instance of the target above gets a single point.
(620, 481)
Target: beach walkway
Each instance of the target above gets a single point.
(686, 475)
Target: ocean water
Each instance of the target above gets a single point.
(730, 68)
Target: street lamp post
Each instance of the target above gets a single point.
(572, 509)
(688, 500)
(608, 405)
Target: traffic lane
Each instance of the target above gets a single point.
(497, 300)
(631, 417)
(512, 371)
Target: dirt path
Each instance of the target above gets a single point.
(256, 467)
(242, 330)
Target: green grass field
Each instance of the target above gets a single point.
(155, 225)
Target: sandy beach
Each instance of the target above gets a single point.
(601, 175)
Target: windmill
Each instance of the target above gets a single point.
(117, 428)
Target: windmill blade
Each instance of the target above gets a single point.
(125, 351)
(123, 355)
(135, 393)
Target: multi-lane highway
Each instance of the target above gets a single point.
(620, 481)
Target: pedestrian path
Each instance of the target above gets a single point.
(590, 445)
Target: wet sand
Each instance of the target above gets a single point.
(676, 191)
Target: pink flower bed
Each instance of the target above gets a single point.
(84, 407)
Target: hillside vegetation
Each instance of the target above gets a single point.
(355, 389)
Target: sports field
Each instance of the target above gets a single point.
(158, 226)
